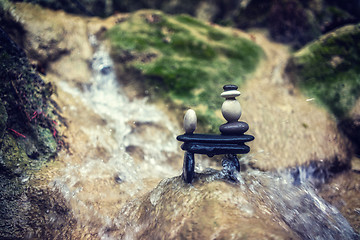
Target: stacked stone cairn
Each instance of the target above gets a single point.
(229, 143)
(231, 111)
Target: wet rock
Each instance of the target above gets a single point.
(80, 7)
(216, 206)
(202, 211)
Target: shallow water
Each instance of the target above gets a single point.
(98, 187)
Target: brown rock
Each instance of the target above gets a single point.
(206, 210)
(259, 206)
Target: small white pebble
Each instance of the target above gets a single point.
(190, 121)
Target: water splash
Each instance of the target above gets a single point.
(294, 200)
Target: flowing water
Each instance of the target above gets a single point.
(98, 187)
(295, 201)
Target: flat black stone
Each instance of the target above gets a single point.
(230, 87)
(209, 138)
(234, 128)
(212, 149)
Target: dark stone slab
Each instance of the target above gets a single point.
(234, 128)
(230, 87)
(212, 149)
(221, 139)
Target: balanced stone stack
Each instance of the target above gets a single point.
(231, 110)
(231, 141)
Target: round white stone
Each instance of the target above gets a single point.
(231, 110)
(190, 121)
(230, 94)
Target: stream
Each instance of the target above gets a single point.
(99, 186)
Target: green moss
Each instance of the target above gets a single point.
(13, 158)
(193, 60)
(48, 143)
(329, 69)
(26, 113)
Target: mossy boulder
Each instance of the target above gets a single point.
(182, 59)
(28, 134)
(27, 113)
(328, 70)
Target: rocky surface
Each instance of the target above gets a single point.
(274, 110)
(203, 211)
(216, 207)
